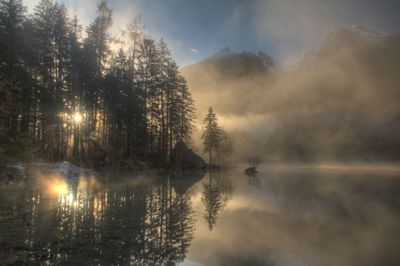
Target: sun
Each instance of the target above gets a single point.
(77, 118)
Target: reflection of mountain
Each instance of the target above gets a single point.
(339, 102)
(216, 193)
(129, 225)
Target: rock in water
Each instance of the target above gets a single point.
(251, 171)
(185, 158)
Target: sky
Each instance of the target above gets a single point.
(285, 29)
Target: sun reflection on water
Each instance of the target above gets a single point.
(57, 186)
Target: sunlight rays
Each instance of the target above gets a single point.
(77, 118)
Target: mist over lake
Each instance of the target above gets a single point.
(284, 216)
(196, 133)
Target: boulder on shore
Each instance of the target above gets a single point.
(185, 158)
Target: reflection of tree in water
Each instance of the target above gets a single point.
(133, 225)
(170, 226)
(254, 181)
(217, 192)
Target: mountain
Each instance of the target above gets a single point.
(229, 63)
(222, 75)
(357, 41)
(339, 101)
(355, 33)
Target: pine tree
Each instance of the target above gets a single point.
(182, 112)
(134, 32)
(97, 51)
(74, 78)
(149, 86)
(63, 96)
(12, 15)
(211, 135)
(44, 23)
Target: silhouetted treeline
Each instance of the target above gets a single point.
(75, 96)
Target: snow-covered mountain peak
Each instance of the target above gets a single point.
(224, 52)
(359, 32)
(366, 33)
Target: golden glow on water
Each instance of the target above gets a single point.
(57, 186)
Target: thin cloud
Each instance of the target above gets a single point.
(194, 51)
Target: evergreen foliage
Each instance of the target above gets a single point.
(216, 141)
(212, 134)
(76, 96)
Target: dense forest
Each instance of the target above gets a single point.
(85, 95)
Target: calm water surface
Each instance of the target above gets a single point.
(282, 216)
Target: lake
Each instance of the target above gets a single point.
(282, 216)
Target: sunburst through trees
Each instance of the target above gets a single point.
(75, 96)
